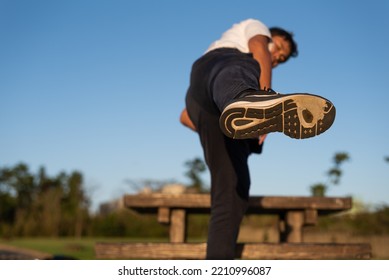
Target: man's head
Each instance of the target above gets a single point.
(283, 46)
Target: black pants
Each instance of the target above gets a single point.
(217, 78)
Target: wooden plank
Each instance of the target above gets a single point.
(178, 226)
(294, 225)
(257, 204)
(306, 251)
(168, 200)
(303, 251)
(310, 217)
(164, 215)
(150, 251)
(301, 202)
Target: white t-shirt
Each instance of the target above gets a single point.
(239, 35)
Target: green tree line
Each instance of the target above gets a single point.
(40, 205)
(36, 204)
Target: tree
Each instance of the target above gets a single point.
(48, 205)
(37, 204)
(334, 174)
(19, 192)
(195, 166)
(75, 205)
(20, 182)
(319, 189)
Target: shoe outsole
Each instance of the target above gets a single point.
(298, 116)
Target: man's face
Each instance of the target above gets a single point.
(280, 50)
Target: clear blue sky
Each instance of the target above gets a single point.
(98, 86)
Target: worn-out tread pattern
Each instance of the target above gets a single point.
(250, 122)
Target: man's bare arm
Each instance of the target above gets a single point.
(258, 46)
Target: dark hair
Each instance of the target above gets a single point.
(276, 31)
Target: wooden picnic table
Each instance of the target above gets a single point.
(294, 214)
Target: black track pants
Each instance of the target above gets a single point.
(216, 79)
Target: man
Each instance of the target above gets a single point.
(230, 105)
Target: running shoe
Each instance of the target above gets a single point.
(298, 115)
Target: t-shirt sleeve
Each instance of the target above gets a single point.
(255, 27)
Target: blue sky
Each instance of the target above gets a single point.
(98, 86)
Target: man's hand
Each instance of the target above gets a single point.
(186, 121)
(262, 139)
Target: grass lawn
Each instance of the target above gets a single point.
(81, 249)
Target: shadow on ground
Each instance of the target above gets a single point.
(12, 253)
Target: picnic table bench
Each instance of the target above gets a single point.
(294, 214)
